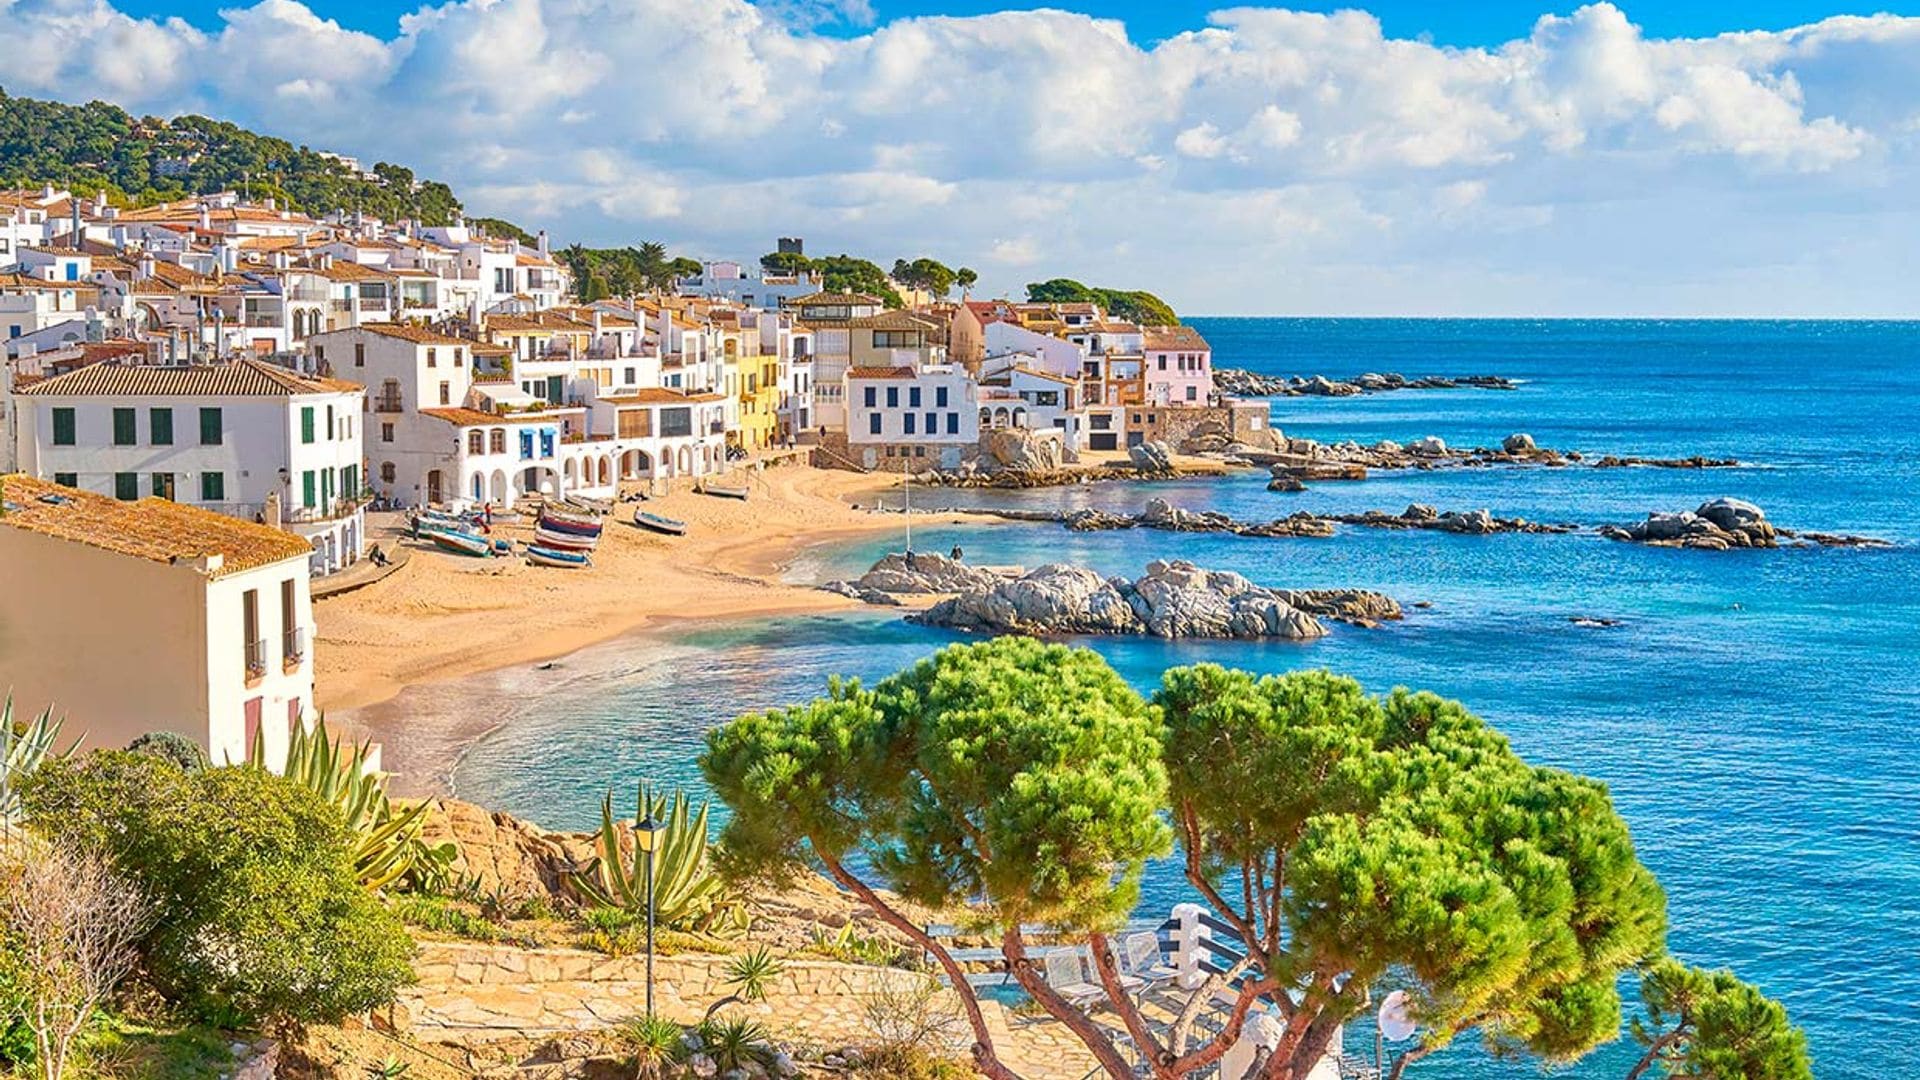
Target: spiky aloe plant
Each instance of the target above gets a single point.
(687, 892)
(23, 751)
(387, 844)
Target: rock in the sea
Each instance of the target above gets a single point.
(1153, 457)
(1173, 599)
(1428, 446)
(928, 573)
(1518, 443)
(1019, 450)
(1717, 525)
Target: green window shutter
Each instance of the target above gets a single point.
(306, 423)
(326, 487)
(63, 427)
(123, 427)
(213, 487)
(350, 485)
(163, 485)
(126, 486)
(306, 489)
(160, 424)
(210, 427)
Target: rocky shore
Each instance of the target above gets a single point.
(1171, 600)
(1160, 514)
(1305, 460)
(1242, 383)
(1722, 525)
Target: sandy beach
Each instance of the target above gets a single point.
(445, 616)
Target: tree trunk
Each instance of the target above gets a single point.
(1654, 1049)
(1014, 948)
(1150, 1048)
(984, 1057)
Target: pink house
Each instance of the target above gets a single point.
(1179, 367)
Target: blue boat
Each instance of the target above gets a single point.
(546, 556)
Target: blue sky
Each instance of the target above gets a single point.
(1510, 158)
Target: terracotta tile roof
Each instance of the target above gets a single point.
(28, 281)
(154, 529)
(1176, 337)
(880, 373)
(346, 271)
(895, 320)
(419, 335)
(538, 322)
(823, 299)
(242, 378)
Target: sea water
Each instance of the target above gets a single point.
(1753, 713)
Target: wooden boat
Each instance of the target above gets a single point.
(659, 524)
(567, 560)
(569, 525)
(460, 543)
(564, 541)
(723, 491)
(589, 504)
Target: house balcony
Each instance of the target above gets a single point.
(269, 320)
(293, 648)
(256, 660)
(336, 511)
(309, 294)
(342, 306)
(388, 403)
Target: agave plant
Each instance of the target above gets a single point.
(387, 844)
(736, 1043)
(749, 975)
(687, 892)
(656, 1042)
(21, 752)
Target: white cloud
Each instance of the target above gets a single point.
(1301, 144)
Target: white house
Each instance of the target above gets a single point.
(909, 419)
(1058, 355)
(1024, 396)
(247, 439)
(130, 617)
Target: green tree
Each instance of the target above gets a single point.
(847, 274)
(260, 916)
(1710, 1025)
(965, 278)
(1132, 305)
(1346, 836)
(785, 262)
(929, 274)
(1019, 777)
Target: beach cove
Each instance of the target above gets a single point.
(1751, 710)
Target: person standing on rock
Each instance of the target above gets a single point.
(957, 553)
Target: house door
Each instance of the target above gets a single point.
(433, 486)
(252, 725)
(1102, 440)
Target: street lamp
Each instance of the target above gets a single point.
(646, 837)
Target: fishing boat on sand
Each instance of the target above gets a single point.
(460, 543)
(724, 491)
(554, 521)
(565, 541)
(566, 560)
(659, 524)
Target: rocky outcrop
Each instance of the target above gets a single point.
(1465, 522)
(1243, 383)
(502, 855)
(1717, 525)
(1163, 515)
(1518, 443)
(1171, 600)
(1614, 461)
(919, 574)
(1151, 457)
(1019, 450)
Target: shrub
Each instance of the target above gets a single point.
(170, 746)
(261, 915)
(16, 1038)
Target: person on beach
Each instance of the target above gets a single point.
(910, 565)
(957, 553)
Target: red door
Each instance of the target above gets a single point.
(253, 723)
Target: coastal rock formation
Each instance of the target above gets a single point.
(1468, 523)
(1171, 600)
(1518, 443)
(1161, 514)
(924, 574)
(1614, 461)
(1151, 457)
(1717, 525)
(1019, 450)
(1243, 383)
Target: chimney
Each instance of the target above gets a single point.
(268, 203)
(206, 218)
(541, 242)
(282, 260)
(47, 193)
(146, 267)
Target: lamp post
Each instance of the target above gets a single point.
(646, 836)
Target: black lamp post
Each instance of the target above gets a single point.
(646, 836)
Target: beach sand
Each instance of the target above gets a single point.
(444, 616)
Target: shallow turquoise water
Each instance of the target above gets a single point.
(1753, 713)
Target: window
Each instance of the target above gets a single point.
(446, 393)
(913, 397)
(386, 472)
(67, 479)
(497, 442)
(163, 485)
(433, 356)
(331, 432)
(306, 424)
(160, 427)
(933, 423)
(873, 397)
(123, 433)
(896, 339)
(953, 423)
(308, 489)
(476, 441)
(676, 421)
(526, 445)
(256, 648)
(291, 647)
(939, 397)
(63, 427)
(386, 432)
(893, 397)
(1191, 392)
(126, 486)
(359, 354)
(213, 487)
(457, 357)
(907, 419)
(319, 351)
(1163, 361)
(350, 482)
(873, 423)
(210, 427)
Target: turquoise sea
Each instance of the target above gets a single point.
(1755, 713)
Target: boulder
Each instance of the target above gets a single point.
(1518, 443)
(1019, 450)
(1428, 446)
(1731, 513)
(1153, 457)
(928, 573)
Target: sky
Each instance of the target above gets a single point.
(1507, 158)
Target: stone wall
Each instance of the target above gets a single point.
(475, 992)
(1241, 421)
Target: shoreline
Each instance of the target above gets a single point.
(446, 620)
